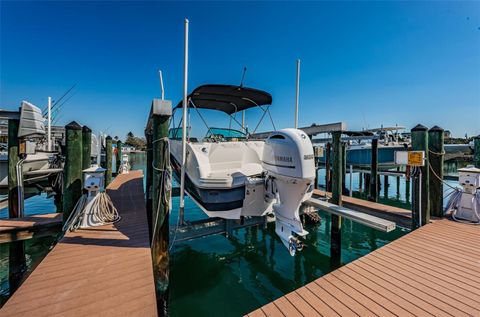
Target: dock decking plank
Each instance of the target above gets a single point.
(102, 271)
(432, 271)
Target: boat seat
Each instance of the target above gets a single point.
(231, 176)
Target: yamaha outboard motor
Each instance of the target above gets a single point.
(290, 167)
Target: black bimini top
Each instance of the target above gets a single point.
(227, 98)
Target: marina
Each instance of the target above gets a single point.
(197, 194)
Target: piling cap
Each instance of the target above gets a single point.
(419, 127)
(73, 126)
(436, 128)
(86, 129)
(108, 137)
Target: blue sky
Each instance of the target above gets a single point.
(365, 63)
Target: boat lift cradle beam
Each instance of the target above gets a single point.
(356, 216)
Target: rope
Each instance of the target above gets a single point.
(436, 153)
(165, 186)
(438, 177)
(101, 207)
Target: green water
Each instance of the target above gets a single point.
(219, 276)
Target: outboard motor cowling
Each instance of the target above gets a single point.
(289, 163)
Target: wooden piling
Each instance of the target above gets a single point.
(13, 158)
(385, 186)
(119, 156)
(476, 151)
(160, 205)
(373, 189)
(360, 181)
(108, 160)
(344, 169)
(149, 177)
(421, 188)
(73, 168)
(86, 147)
(328, 171)
(16, 257)
(435, 161)
(335, 233)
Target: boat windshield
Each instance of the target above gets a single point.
(175, 133)
(227, 134)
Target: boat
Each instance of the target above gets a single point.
(229, 175)
(38, 164)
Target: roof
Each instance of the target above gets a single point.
(227, 98)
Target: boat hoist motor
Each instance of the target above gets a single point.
(290, 174)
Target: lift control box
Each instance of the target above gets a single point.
(94, 179)
(469, 178)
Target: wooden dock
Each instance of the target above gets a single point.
(29, 227)
(102, 271)
(432, 271)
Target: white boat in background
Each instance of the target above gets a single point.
(230, 176)
(38, 163)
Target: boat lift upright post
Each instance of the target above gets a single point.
(184, 127)
(297, 91)
(49, 127)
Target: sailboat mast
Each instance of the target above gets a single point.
(49, 125)
(184, 125)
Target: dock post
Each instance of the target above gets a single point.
(385, 186)
(16, 258)
(373, 189)
(398, 183)
(435, 162)
(160, 204)
(328, 171)
(119, 156)
(86, 147)
(421, 205)
(148, 183)
(476, 151)
(344, 168)
(360, 182)
(337, 189)
(73, 168)
(108, 160)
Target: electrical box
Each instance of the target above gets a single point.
(410, 158)
(94, 179)
(27, 147)
(469, 178)
(318, 151)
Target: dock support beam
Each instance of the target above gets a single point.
(373, 189)
(119, 156)
(108, 160)
(160, 207)
(476, 151)
(435, 161)
(73, 168)
(421, 204)
(16, 256)
(86, 147)
(337, 189)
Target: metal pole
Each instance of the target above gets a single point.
(184, 126)
(49, 127)
(161, 84)
(351, 179)
(243, 120)
(297, 93)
